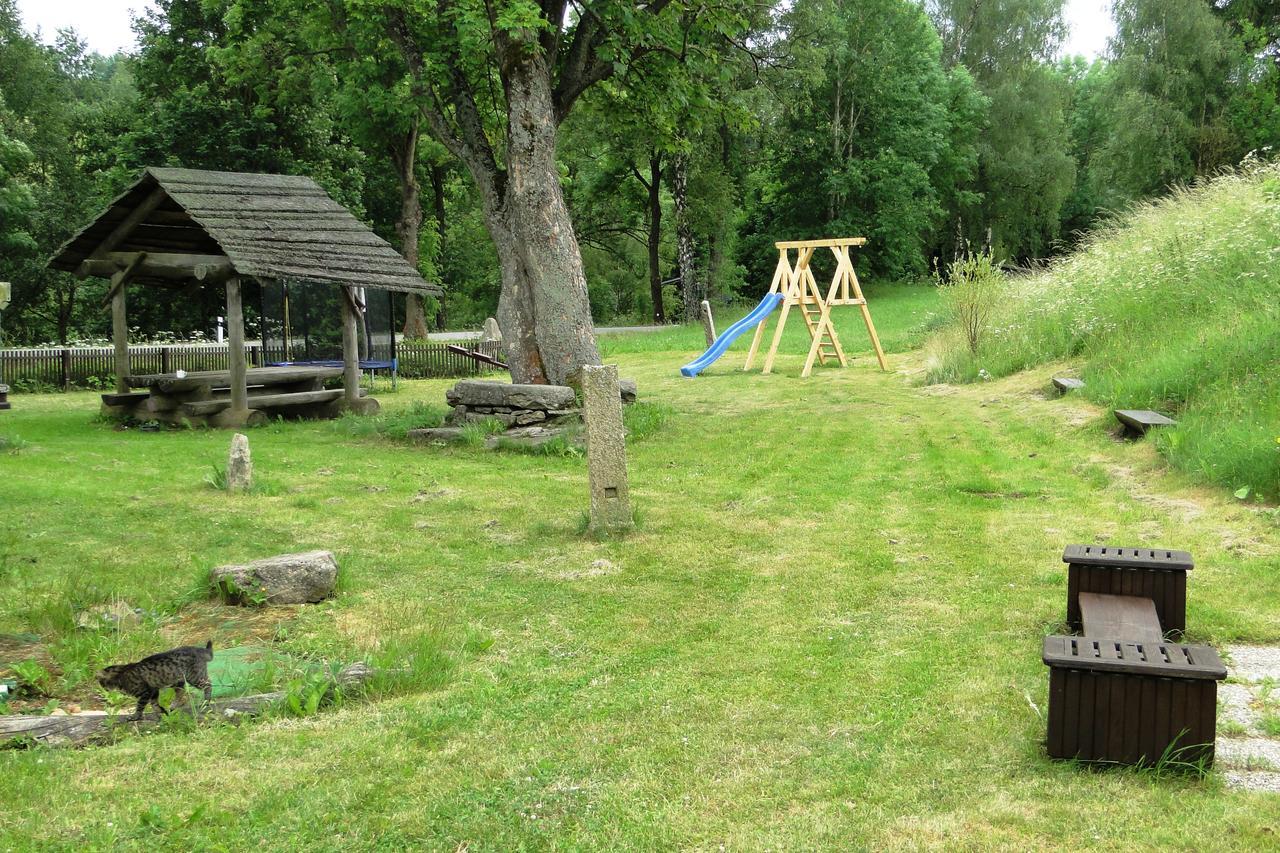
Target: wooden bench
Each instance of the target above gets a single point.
(1066, 383)
(1138, 421)
(205, 408)
(1122, 692)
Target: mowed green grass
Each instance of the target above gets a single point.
(824, 634)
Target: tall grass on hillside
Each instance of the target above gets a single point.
(1175, 306)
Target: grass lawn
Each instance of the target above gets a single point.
(825, 632)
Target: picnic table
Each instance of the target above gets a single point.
(199, 397)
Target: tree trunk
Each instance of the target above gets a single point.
(437, 196)
(404, 154)
(655, 236)
(690, 291)
(543, 311)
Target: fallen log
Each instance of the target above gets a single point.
(93, 726)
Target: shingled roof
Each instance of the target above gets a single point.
(268, 226)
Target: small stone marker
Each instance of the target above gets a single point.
(606, 449)
(1140, 420)
(1067, 383)
(239, 465)
(708, 324)
(491, 330)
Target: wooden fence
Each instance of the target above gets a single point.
(94, 367)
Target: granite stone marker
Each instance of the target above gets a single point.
(606, 449)
(491, 330)
(239, 465)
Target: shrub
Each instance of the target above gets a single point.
(970, 295)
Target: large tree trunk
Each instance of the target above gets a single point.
(404, 154)
(437, 196)
(690, 290)
(655, 235)
(543, 310)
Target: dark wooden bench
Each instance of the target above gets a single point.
(1138, 421)
(1066, 383)
(1122, 692)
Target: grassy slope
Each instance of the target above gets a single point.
(1176, 307)
(825, 633)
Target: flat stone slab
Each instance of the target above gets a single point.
(442, 434)
(531, 436)
(477, 392)
(1067, 383)
(1141, 420)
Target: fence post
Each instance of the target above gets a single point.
(66, 369)
(164, 360)
(256, 355)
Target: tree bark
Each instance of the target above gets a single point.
(404, 154)
(437, 197)
(543, 310)
(654, 186)
(690, 290)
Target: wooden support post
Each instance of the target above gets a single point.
(350, 348)
(120, 332)
(235, 348)
(866, 317)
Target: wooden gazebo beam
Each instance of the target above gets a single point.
(165, 265)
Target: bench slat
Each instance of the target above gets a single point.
(1120, 617)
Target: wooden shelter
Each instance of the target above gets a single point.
(799, 288)
(189, 227)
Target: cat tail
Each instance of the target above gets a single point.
(208, 646)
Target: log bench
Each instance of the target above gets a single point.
(1122, 692)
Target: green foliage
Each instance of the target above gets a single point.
(970, 294)
(12, 443)
(33, 679)
(217, 477)
(1171, 307)
(305, 696)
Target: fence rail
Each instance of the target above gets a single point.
(94, 367)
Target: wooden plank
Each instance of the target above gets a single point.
(1057, 711)
(1162, 660)
(1120, 617)
(1109, 555)
(131, 220)
(204, 408)
(821, 244)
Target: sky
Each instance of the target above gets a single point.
(104, 24)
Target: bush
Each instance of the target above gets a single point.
(970, 294)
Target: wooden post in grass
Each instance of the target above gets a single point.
(708, 323)
(239, 380)
(350, 349)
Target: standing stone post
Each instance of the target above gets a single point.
(606, 449)
(708, 324)
(491, 331)
(350, 349)
(239, 465)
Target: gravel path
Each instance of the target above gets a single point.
(1248, 756)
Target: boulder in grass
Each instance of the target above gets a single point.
(479, 393)
(288, 579)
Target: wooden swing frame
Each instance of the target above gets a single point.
(798, 287)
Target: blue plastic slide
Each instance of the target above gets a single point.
(731, 334)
